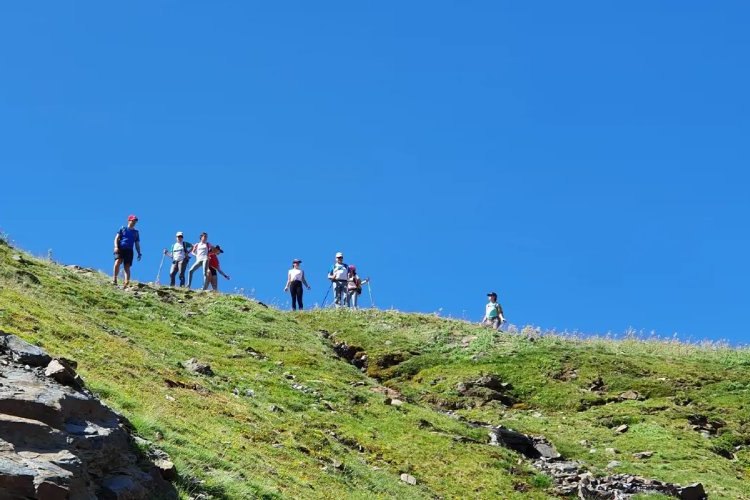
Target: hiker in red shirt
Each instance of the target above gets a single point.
(214, 268)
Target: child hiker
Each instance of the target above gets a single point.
(493, 312)
(354, 287)
(214, 268)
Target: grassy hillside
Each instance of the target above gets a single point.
(285, 416)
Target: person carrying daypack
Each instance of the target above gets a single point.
(200, 250)
(339, 275)
(180, 254)
(493, 312)
(125, 239)
(353, 287)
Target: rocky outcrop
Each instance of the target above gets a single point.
(571, 477)
(58, 441)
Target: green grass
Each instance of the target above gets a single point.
(315, 428)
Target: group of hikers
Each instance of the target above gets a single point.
(206, 256)
(346, 284)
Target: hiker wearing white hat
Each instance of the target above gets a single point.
(180, 254)
(295, 278)
(339, 274)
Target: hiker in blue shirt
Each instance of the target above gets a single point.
(125, 239)
(180, 254)
(339, 275)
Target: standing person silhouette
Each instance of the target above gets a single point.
(295, 278)
(200, 250)
(180, 254)
(339, 274)
(125, 239)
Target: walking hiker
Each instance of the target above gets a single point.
(214, 268)
(180, 254)
(339, 274)
(493, 312)
(125, 239)
(353, 287)
(201, 251)
(295, 278)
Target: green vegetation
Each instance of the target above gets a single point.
(284, 416)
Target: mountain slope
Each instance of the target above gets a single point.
(286, 415)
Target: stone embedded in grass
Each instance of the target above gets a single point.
(195, 366)
(643, 454)
(530, 446)
(621, 429)
(597, 385)
(630, 396)
(409, 479)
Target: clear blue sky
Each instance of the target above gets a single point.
(587, 160)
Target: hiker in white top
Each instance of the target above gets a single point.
(200, 251)
(339, 274)
(493, 312)
(354, 287)
(295, 278)
(180, 258)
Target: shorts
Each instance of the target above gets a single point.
(126, 254)
(213, 271)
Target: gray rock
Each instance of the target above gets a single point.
(58, 441)
(692, 492)
(643, 454)
(530, 446)
(22, 352)
(62, 372)
(195, 366)
(630, 396)
(621, 429)
(409, 479)
(167, 469)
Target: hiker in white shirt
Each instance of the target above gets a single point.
(295, 278)
(200, 251)
(180, 254)
(339, 275)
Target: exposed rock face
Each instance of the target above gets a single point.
(530, 446)
(58, 441)
(571, 477)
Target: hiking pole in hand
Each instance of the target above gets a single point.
(158, 273)
(325, 298)
(369, 290)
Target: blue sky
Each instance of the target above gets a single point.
(586, 160)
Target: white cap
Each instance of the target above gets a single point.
(179, 233)
(339, 254)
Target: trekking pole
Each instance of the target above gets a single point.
(369, 290)
(158, 273)
(325, 298)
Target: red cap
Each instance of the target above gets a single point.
(132, 217)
